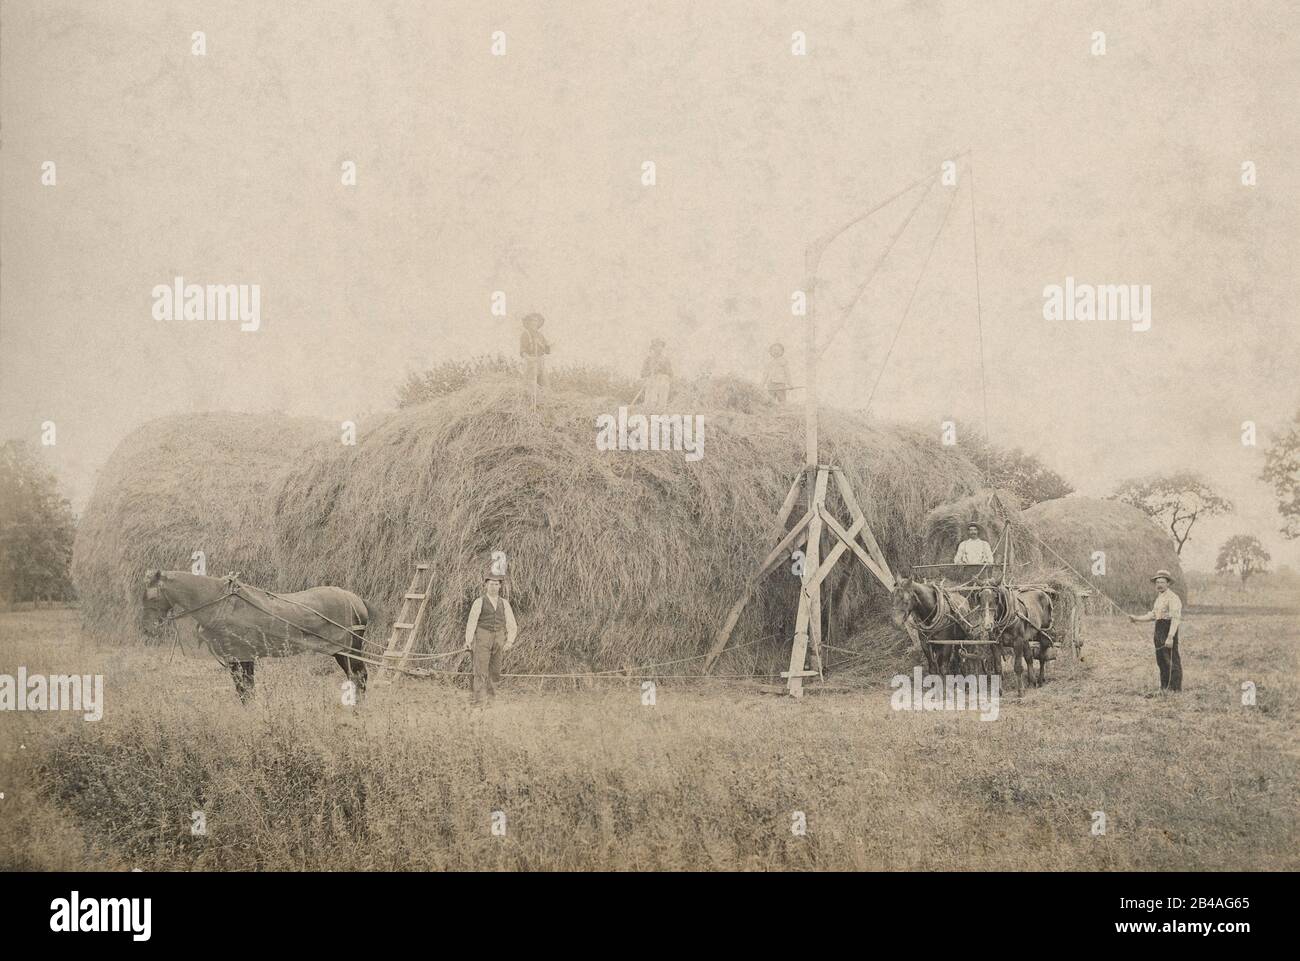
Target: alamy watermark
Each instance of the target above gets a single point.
(947, 692)
(53, 692)
(1130, 303)
(679, 432)
(181, 301)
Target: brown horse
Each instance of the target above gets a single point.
(241, 623)
(938, 615)
(1017, 617)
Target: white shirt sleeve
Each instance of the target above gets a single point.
(511, 627)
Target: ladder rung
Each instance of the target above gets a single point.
(403, 627)
(415, 597)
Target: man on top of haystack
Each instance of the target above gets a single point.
(974, 549)
(776, 378)
(658, 374)
(533, 348)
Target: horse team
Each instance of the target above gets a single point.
(1008, 619)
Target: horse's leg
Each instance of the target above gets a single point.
(1018, 649)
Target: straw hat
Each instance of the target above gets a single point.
(1162, 573)
(776, 350)
(978, 527)
(534, 320)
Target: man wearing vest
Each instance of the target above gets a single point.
(1167, 612)
(489, 633)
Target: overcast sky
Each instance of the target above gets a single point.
(522, 173)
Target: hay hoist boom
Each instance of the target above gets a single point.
(813, 481)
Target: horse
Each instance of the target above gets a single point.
(1017, 616)
(240, 623)
(939, 614)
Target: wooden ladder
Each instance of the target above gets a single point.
(401, 638)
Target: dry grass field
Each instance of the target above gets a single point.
(707, 778)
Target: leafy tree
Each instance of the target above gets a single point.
(1022, 473)
(36, 529)
(1175, 501)
(1282, 470)
(1243, 555)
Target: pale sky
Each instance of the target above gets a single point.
(522, 173)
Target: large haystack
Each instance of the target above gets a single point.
(1075, 527)
(617, 558)
(177, 485)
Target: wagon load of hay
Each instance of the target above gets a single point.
(1052, 537)
(177, 485)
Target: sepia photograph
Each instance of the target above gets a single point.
(652, 438)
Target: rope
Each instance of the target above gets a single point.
(934, 241)
(979, 321)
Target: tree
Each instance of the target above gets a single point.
(1020, 472)
(1282, 470)
(1174, 501)
(36, 529)
(1243, 555)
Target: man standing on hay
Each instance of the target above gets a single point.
(1167, 612)
(974, 549)
(657, 372)
(489, 633)
(533, 348)
(776, 379)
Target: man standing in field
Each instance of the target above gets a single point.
(1167, 612)
(533, 348)
(974, 549)
(489, 633)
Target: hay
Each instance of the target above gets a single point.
(1075, 527)
(174, 486)
(617, 559)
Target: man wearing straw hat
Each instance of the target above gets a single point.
(776, 378)
(489, 633)
(533, 348)
(1167, 612)
(658, 374)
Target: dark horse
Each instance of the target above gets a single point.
(939, 615)
(240, 623)
(1017, 617)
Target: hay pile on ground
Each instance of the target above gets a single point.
(185, 483)
(617, 558)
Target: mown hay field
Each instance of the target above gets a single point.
(709, 777)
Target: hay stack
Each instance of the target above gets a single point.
(1135, 547)
(177, 485)
(617, 559)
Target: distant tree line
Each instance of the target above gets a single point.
(37, 528)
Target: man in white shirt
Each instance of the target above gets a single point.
(1167, 612)
(489, 633)
(974, 549)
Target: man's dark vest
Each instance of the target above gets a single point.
(492, 621)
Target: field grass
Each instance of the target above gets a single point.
(707, 778)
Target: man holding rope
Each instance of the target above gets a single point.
(489, 633)
(1167, 612)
